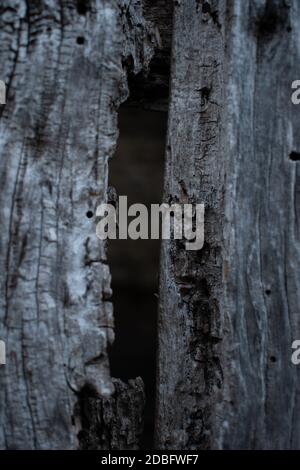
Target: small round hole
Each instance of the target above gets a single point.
(89, 214)
(82, 7)
(295, 156)
(273, 359)
(80, 40)
(268, 291)
(206, 7)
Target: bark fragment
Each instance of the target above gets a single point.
(114, 423)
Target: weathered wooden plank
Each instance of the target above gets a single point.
(62, 62)
(189, 369)
(229, 313)
(260, 407)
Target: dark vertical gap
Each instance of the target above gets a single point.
(137, 172)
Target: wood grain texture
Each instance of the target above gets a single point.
(260, 406)
(63, 63)
(228, 314)
(189, 371)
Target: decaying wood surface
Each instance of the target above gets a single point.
(189, 369)
(228, 314)
(113, 423)
(64, 63)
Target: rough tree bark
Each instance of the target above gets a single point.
(64, 63)
(228, 314)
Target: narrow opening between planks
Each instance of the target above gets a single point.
(137, 172)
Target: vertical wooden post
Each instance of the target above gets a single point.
(229, 313)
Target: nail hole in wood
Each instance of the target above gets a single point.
(82, 6)
(295, 156)
(80, 40)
